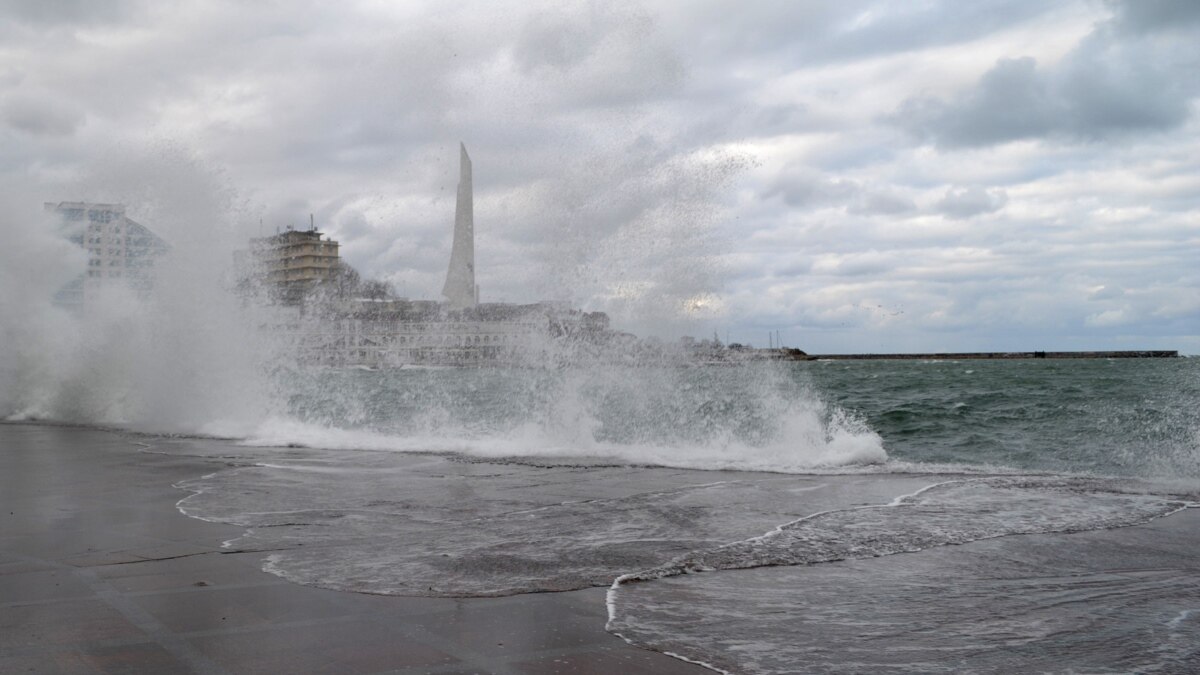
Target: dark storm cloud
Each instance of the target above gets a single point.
(1151, 15)
(1112, 85)
(66, 12)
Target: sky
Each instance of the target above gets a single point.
(859, 176)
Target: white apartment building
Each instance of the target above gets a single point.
(120, 250)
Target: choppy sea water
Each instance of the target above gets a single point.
(810, 517)
(1138, 417)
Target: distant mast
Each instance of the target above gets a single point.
(460, 290)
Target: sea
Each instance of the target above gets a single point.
(762, 517)
(1122, 417)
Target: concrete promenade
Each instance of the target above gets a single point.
(99, 573)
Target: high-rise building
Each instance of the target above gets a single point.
(460, 290)
(120, 250)
(290, 264)
(296, 257)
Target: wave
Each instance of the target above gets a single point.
(418, 524)
(1021, 605)
(195, 360)
(943, 514)
(805, 444)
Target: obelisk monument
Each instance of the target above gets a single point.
(460, 290)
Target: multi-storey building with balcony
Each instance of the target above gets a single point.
(291, 263)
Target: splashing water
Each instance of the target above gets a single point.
(185, 359)
(195, 358)
(750, 417)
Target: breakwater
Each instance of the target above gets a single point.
(952, 356)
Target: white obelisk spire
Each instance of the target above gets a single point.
(460, 290)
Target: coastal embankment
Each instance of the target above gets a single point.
(957, 356)
(101, 573)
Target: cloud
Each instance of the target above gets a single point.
(65, 12)
(1106, 293)
(572, 54)
(1130, 75)
(802, 187)
(41, 116)
(1010, 102)
(961, 203)
(819, 33)
(1107, 318)
(635, 156)
(1153, 15)
(1086, 100)
(886, 203)
(805, 188)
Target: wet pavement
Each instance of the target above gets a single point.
(99, 573)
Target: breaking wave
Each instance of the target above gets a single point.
(194, 358)
(752, 417)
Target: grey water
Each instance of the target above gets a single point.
(1136, 417)
(1100, 601)
(1103, 416)
(957, 516)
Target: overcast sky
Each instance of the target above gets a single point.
(861, 176)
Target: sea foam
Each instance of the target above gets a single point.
(745, 418)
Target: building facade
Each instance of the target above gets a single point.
(290, 263)
(393, 333)
(120, 250)
(383, 343)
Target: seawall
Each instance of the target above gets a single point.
(953, 356)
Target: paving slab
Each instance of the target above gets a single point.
(100, 573)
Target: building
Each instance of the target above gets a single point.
(120, 250)
(392, 333)
(291, 263)
(350, 328)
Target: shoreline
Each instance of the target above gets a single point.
(101, 570)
